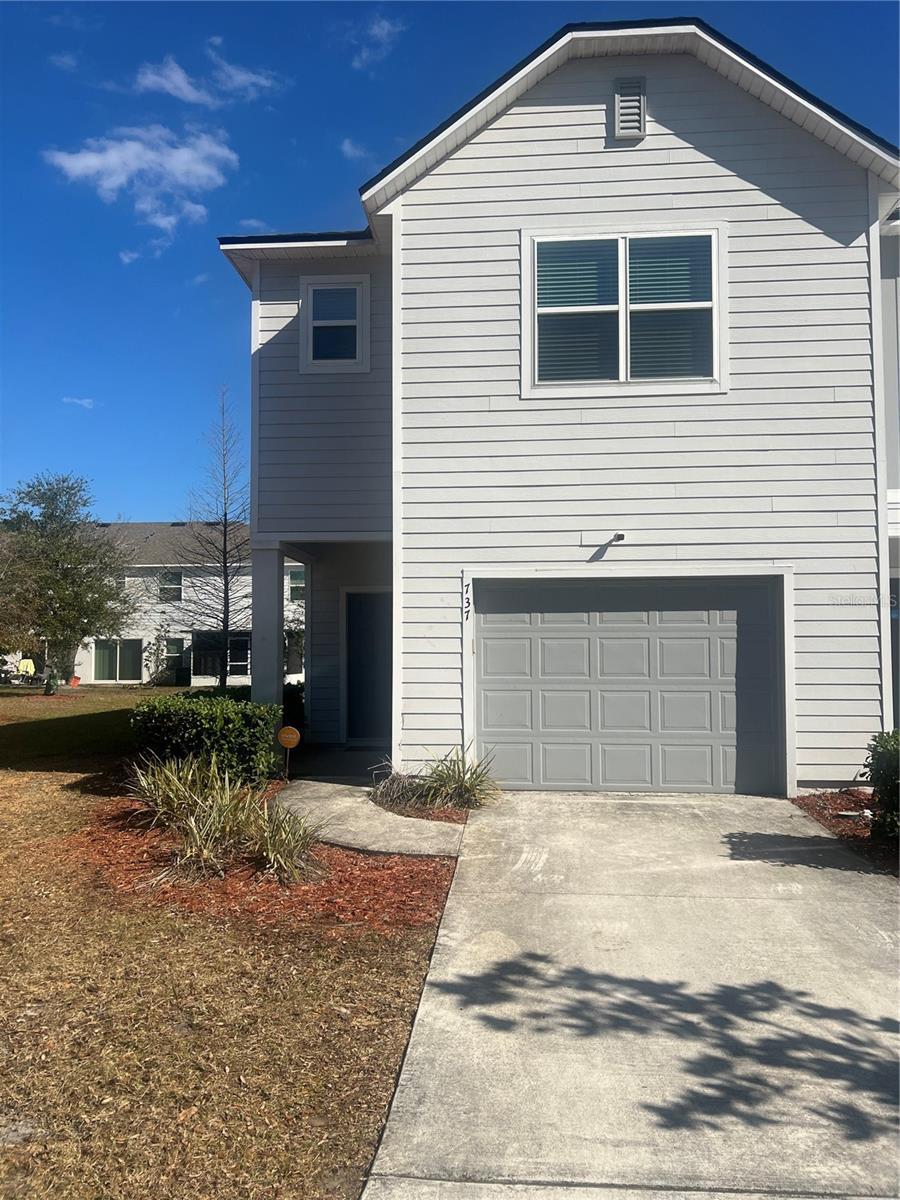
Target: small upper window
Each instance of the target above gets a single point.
(624, 308)
(334, 324)
(296, 584)
(170, 585)
(334, 313)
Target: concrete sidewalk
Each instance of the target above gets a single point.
(345, 816)
(635, 996)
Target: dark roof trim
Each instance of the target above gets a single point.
(273, 239)
(610, 26)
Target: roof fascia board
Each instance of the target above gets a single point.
(530, 67)
(767, 79)
(250, 247)
(561, 48)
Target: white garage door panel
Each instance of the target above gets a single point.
(669, 685)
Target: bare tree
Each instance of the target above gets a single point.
(216, 542)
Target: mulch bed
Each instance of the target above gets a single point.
(856, 831)
(379, 893)
(233, 1039)
(451, 816)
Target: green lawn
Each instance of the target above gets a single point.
(74, 730)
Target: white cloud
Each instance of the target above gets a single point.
(64, 61)
(129, 256)
(66, 19)
(199, 279)
(242, 83)
(161, 171)
(353, 150)
(82, 402)
(173, 80)
(226, 83)
(254, 225)
(375, 40)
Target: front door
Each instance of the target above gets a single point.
(369, 667)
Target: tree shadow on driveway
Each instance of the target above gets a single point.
(747, 1045)
(820, 853)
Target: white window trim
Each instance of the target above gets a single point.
(600, 389)
(291, 585)
(308, 365)
(161, 599)
(119, 678)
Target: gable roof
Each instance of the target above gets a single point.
(154, 543)
(672, 35)
(668, 35)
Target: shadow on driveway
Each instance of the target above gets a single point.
(785, 850)
(746, 1045)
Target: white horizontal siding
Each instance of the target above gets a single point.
(323, 460)
(780, 469)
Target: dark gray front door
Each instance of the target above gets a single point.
(369, 667)
(666, 686)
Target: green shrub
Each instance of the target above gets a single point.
(219, 820)
(882, 768)
(448, 782)
(238, 733)
(454, 782)
(292, 701)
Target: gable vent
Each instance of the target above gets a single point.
(631, 108)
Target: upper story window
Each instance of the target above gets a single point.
(170, 583)
(623, 309)
(296, 584)
(334, 323)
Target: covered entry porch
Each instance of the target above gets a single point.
(347, 643)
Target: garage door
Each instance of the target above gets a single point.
(667, 686)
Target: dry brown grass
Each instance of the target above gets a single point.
(153, 1051)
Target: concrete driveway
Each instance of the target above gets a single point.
(634, 996)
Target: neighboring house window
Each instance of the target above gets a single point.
(174, 655)
(629, 308)
(170, 585)
(334, 316)
(206, 647)
(297, 584)
(117, 661)
(239, 654)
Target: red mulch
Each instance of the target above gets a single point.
(452, 816)
(376, 892)
(824, 807)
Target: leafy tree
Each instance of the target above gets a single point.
(17, 598)
(60, 572)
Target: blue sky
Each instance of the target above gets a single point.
(133, 134)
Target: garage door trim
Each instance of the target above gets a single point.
(781, 573)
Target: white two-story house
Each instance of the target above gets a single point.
(172, 635)
(585, 438)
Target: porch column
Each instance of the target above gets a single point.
(267, 666)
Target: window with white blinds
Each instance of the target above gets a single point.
(626, 308)
(334, 323)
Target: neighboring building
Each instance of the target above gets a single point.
(585, 438)
(171, 638)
